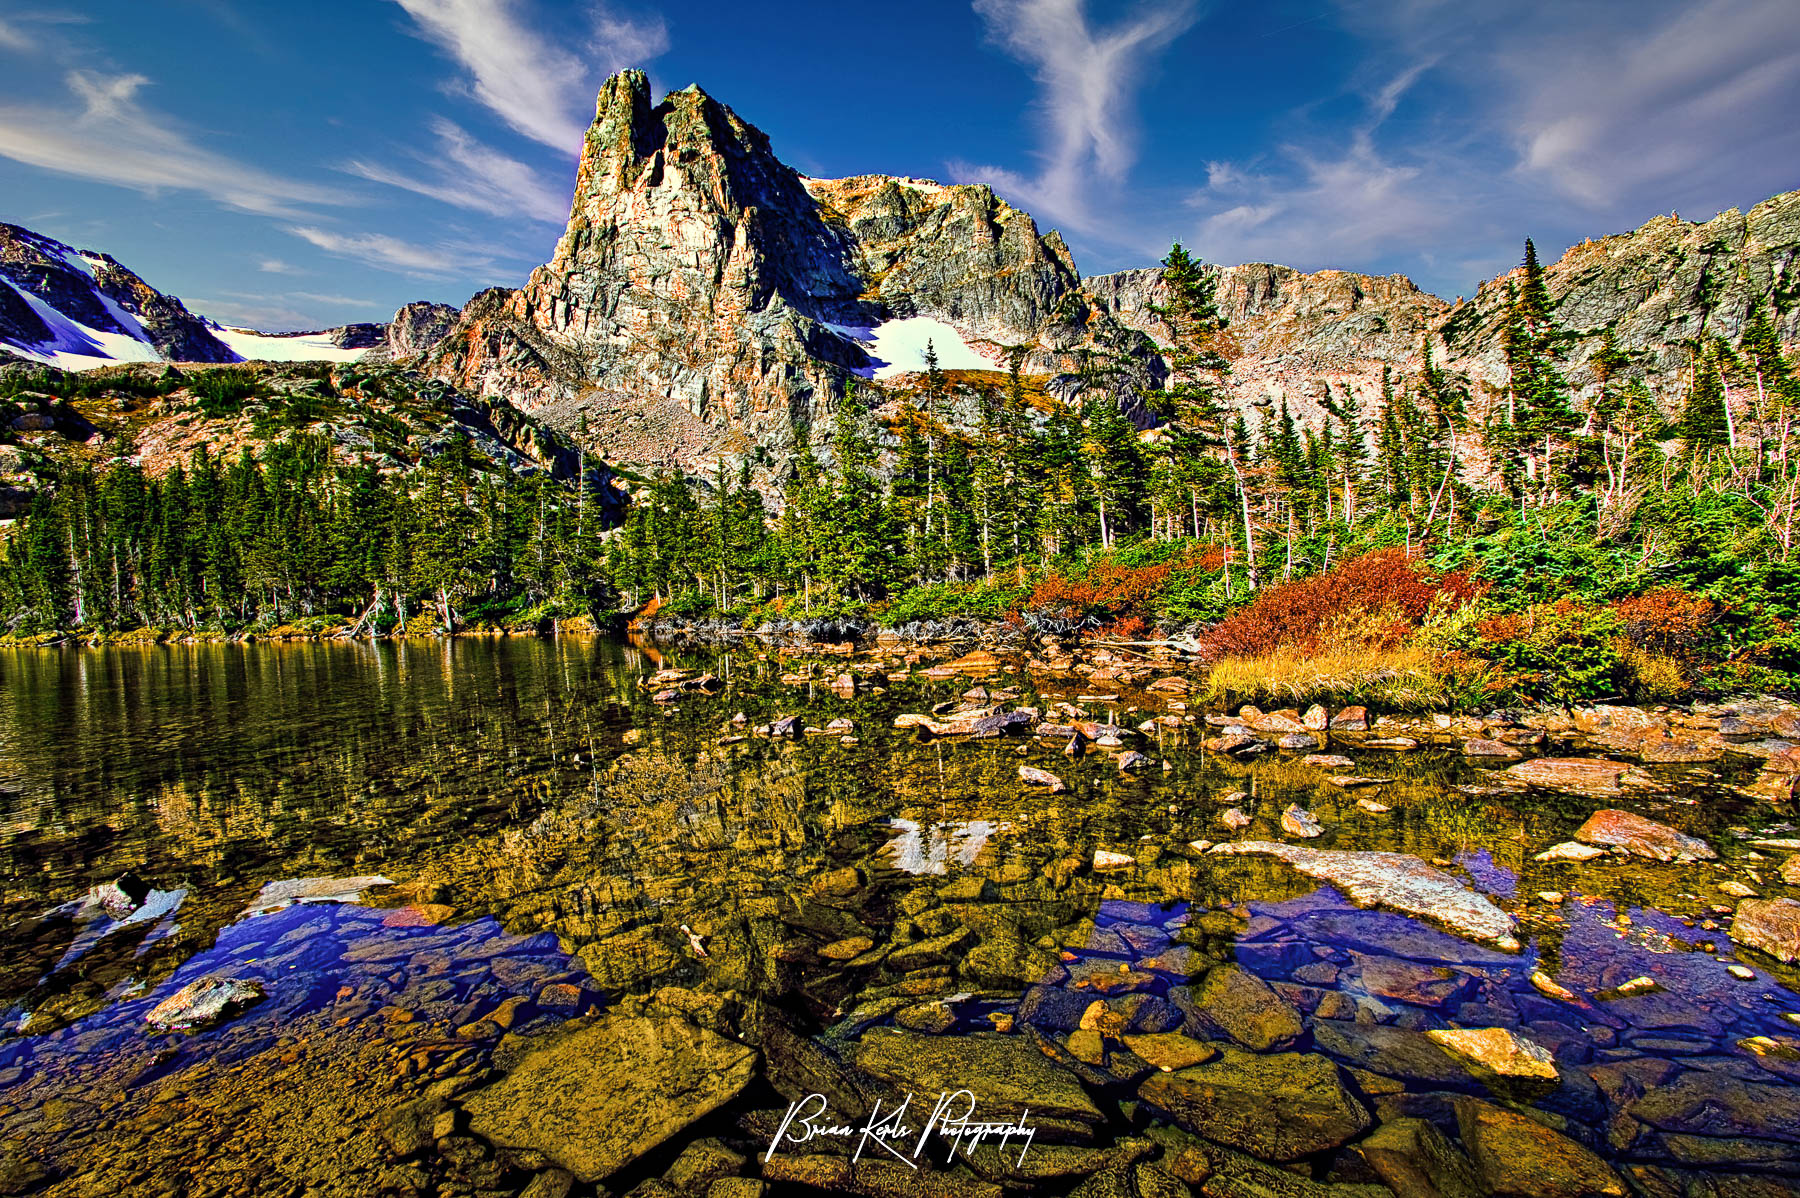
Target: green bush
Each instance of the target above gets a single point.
(222, 392)
(1563, 651)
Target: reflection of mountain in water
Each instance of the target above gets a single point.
(934, 848)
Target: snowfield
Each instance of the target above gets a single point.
(252, 346)
(898, 347)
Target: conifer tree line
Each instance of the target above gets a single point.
(284, 535)
(989, 482)
(985, 481)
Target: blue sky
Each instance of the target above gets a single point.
(295, 166)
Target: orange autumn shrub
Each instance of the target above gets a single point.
(1387, 583)
(1108, 591)
(1669, 621)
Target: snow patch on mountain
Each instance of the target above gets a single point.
(76, 346)
(898, 347)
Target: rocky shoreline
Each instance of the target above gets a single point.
(1302, 953)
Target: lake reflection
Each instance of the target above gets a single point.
(423, 850)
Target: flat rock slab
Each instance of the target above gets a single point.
(276, 895)
(1642, 837)
(203, 1002)
(1580, 776)
(599, 1098)
(1397, 881)
(1007, 1075)
(1518, 1156)
(1276, 1107)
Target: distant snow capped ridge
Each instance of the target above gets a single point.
(79, 309)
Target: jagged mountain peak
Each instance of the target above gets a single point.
(708, 301)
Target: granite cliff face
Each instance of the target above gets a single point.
(1289, 333)
(707, 301)
(1658, 287)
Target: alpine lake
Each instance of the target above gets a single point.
(540, 916)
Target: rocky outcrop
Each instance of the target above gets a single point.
(703, 300)
(415, 329)
(81, 293)
(1289, 333)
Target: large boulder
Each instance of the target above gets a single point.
(1642, 837)
(1279, 1107)
(598, 1098)
(1772, 925)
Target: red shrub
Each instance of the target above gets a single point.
(1387, 581)
(1106, 591)
(1668, 621)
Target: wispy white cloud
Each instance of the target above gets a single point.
(541, 84)
(392, 253)
(341, 301)
(276, 266)
(1604, 119)
(109, 136)
(469, 174)
(1339, 204)
(1088, 79)
(23, 31)
(1575, 119)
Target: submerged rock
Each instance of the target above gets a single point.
(1490, 749)
(204, 1002)
(1278, 1107)
(1568, 850)
(599, 1098)
(1397, 881)
(1006, 1074)
(1772, 925)
(1297, 821)
(1518, 1156)
(1032, 776)
(1415, 1159)
(1247, 1009)
(1642, 837)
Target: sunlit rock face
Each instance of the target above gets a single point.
(706, 299)
(707, 302)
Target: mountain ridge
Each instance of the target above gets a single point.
(707, 303)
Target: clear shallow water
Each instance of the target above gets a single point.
(548, 826)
